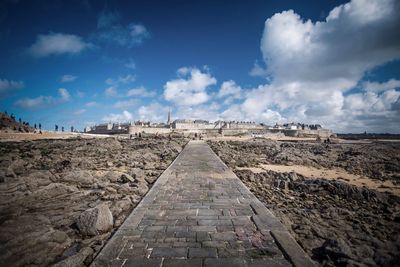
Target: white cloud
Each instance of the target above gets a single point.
(125, 104)
(312, 66)
(154, 112)
(9, 86)
(190, 88)
(111, 31)
(129, 78)
(58, 43)
(91, 104)
(68, 78)
(140, 92)
(379, 87)
(64, 94)
(44, 101)
(125, 116)
(130, 64)
(111, 91)
(230, 88)
(80, 111)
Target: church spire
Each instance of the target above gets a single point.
(169, 117)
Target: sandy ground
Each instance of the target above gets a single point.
(329, 174)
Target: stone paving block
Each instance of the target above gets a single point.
(200, 228)
(234, 262)
(169, 253)
(186, 244)
(143, 263)
(182, 263)
(214, 244)
(224, 236)
(185, 234)
(158, 228)
(215, 222)
(202, 253)
(130, 253)
(210, 212)
(202, 236)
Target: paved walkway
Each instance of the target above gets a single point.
(199, 213)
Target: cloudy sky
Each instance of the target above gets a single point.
(336, 63)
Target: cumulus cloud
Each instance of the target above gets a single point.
(154, 112)
(68, 78)
(111, 31)
(190, 88)
(8, 86)
(44, 101)
(230, 91)
(140, 92)
(313, 65)
(58, 43)
(125, 116)
(379, 87)
(125, 103)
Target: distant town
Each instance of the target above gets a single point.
(204, 127)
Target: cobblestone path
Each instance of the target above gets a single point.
(199, 213)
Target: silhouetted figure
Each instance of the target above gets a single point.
(56, 128)
(40, 126)
(72, 129)
(34, 126)
(20, 121)
(62, 129)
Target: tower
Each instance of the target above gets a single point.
(169, 117)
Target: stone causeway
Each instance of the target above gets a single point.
(198, 213)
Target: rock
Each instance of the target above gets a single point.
(126, 178)
(95, 220)
(75, 260)
(78, 177)
(337, 249)
(293, 176)
(18, 166)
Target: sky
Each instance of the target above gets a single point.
(81, 63)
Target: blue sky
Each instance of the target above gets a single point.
(84, 62)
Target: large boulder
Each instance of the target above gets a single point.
(95, 220)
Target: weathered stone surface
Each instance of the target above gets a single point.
(46, 184)
(95, 220)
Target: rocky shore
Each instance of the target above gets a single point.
(336, 223)
(60, 200)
